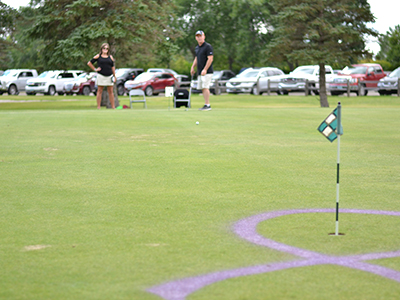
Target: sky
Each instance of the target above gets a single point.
(385, 12)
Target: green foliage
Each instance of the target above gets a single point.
(387, 66)
(58, 34)
(390, 46)
(235, 29)
(181, 65)
(8, 18)
(314, 31)
(319, 32)
(26, 52)
(164, 51)
(72, 31)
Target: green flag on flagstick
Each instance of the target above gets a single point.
(329, 127)
(332, 129)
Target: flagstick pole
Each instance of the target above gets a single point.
(337, 186)
(339, 131)
(331, 128)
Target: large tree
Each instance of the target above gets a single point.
(26, 52)
(390, 46)
(235, 28)
(320, 32)
(73, 30)
(8, 18)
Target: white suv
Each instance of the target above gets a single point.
(51, 82)
(296, 80)
(251, 80)
(14, 80)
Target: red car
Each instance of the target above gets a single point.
(151, 83)
(84, 84)
(367, 74)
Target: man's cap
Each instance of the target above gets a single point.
(199, 32)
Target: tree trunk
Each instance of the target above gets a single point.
(104, 97)
(323, 97)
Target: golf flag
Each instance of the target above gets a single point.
(331, 127)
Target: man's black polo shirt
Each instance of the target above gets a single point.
(202, 53)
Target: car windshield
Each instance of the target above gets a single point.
(144, 77)
(154, 70)
(217, 74)
(251, 73)
(395, 73)
(354, 70)
(10, 73)
(48, 74)
(120, 72)
(303, 71)
(171, 71)
(83, 75)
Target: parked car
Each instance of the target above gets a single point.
(151, 83)
(222, 77)
(123, 75)
(51, 82)
(370, 74)
(389, 84)
(14, 80)
(179, 77)
(246, 82)
(84, 84)
(295, 81)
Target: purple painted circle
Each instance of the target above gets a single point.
(246, 229)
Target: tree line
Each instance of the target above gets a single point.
(65, 34)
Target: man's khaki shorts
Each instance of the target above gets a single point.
(204, 81)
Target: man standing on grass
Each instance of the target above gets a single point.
(203, 60)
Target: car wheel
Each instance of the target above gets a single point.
(382, 92)
(254, 90)
(52, 91)
(120, 90)
(86, 91)
(313, 90)
(149, 91)
(363, 91)
(13, 90)
(214, 91)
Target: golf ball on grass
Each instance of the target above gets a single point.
(197, 123)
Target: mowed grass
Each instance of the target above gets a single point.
(106, 204)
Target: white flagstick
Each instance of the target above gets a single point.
(339, 132)
(337, 186)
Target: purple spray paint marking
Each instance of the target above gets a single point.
(247, 229)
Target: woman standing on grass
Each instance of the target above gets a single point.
(105, 69)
